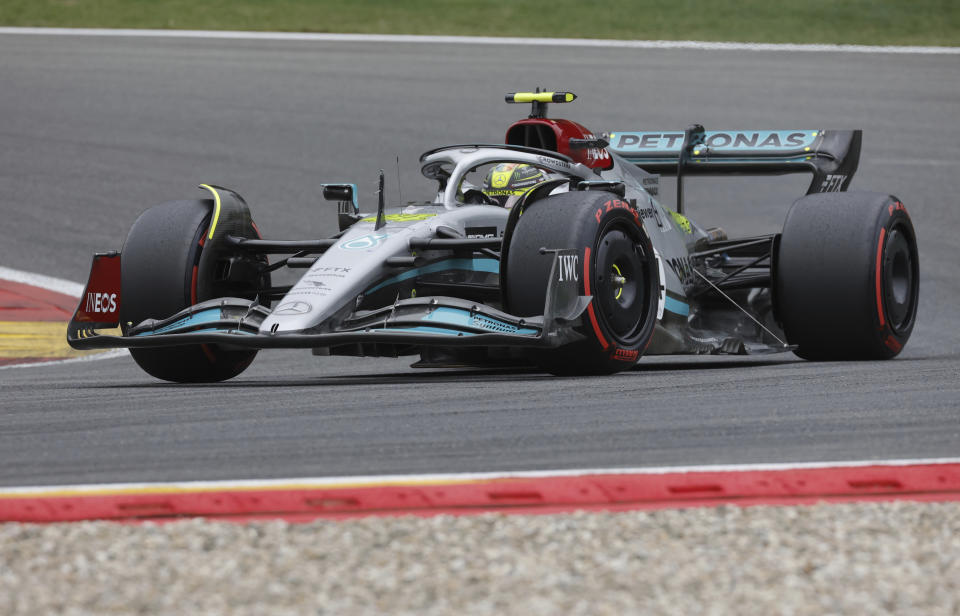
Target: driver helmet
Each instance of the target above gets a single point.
(507, 183)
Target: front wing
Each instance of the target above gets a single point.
(426, 321)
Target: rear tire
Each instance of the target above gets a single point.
(615, 264)
(159, 277)
(847, 276)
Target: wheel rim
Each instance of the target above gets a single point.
(621, 272)
(899, 278)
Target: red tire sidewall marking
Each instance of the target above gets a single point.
(617, 353)
(890, 337)
(211, 356)
(883, 235)
(193, 286)
(590, 311)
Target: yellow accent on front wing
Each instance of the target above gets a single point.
(216, 209)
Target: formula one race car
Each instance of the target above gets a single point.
(575, 267)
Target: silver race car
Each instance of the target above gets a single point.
(550, 249)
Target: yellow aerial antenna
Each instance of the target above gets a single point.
(539, 100)
(541, 97)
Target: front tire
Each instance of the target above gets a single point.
(615, 264)
(160, 277)
(847, 277)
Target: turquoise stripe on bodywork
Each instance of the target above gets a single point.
(676, 306)
(463, 318)
(491, 266)
(216, 330)
(207, 316)
(428, 330)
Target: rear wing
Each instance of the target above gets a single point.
(831, 156)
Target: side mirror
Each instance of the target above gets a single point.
(340, 192)
(348, 211)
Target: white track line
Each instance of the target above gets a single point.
(112, 353)
(57, 285)
(481, 40)
(378, 480)
(49, 283)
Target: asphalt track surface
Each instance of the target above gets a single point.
(94, 130)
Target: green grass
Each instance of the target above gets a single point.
(868, 22)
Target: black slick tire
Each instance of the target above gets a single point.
(159, 277)
(847, 276)
(615, 264)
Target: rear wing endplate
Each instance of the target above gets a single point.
(831, 156)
